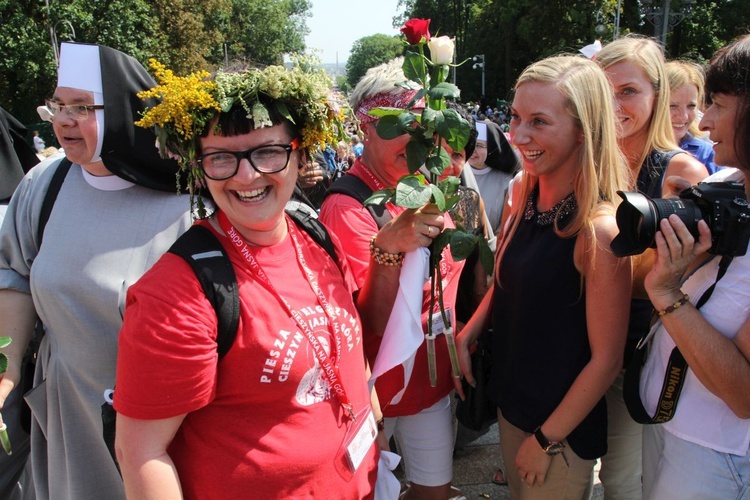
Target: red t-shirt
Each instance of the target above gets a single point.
(352, 223)
(264, 421)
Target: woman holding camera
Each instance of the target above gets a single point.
(635, 67)
(703, 451)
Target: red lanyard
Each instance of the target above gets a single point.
(330, 370)
(378, 185)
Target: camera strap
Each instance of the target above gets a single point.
(674, 377)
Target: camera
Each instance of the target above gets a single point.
(723, 205)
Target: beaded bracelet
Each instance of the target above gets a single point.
(675, 306)
(384, 258)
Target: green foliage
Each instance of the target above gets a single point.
(389, 127)
(262, 31)
(381, 197)
(414, 66)
(4, 342)
(416, 149)
(515, 33)
(184, 34)
(342, 84)
(486, 257)
(369, 52)
(412, 191)
(454, 129)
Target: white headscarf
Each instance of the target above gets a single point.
(80, 68)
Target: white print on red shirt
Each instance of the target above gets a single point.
(349, 324)
(313, 386)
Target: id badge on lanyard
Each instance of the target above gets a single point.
(362, 431)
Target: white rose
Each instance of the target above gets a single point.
(441, 49)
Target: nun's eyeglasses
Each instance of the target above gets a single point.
(75, 112)
(266, 159)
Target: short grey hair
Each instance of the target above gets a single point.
(378, 80)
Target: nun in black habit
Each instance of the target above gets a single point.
(493, 164)
(116, 213)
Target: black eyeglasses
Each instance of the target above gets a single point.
(76, 112)
(266, 159)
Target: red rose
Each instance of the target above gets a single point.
(415, 30)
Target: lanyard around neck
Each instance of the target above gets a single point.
(378, 185)
(330, 370)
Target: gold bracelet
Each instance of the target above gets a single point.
(675, 306)
(384, 258)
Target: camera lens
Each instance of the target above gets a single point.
(638, 221)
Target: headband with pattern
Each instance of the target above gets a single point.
(386, 100)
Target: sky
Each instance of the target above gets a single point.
(335, 25)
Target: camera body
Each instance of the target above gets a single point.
(723, 205)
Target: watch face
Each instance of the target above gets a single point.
(550, 447)
(554, 448)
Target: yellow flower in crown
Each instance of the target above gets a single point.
(185, 101)
(187, 105)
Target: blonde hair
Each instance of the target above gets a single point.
(646, 54)
(590, 101)
(681, 72)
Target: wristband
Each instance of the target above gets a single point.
(675, 306)
(384, 258)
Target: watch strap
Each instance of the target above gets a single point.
(550, 447)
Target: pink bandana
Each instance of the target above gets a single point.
(386, 100)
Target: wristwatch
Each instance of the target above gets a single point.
(551, 448)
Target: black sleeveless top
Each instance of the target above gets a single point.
(540, 342)
(650, 179)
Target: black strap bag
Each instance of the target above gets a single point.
(477, 412)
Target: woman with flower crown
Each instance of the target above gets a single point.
(287, 412)
(559, 305)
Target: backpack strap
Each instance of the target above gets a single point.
(356, 188)
(200, 248)
(317, 231)
(29, 359)
(650, 182)
(52, 191)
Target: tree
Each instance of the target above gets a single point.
(187, 31)
(183, 34)
(515, 33)
(369, 52)
(27, 66)
(262, 31)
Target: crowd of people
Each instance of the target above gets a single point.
(267, 360)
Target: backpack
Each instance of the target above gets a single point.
(202, 250)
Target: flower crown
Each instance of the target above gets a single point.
(188, 104)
